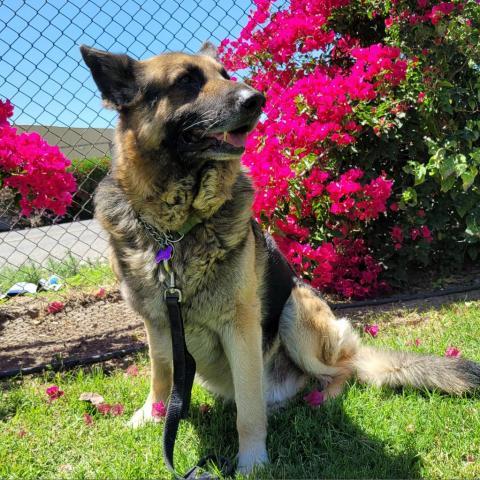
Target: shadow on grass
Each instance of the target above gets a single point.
(308, 443)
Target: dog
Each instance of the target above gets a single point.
(257, 332)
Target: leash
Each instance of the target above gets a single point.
(183, 363)
(179, 403)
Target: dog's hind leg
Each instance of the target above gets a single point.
(316, 341)
(161, 376)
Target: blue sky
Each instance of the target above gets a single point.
(41, 70)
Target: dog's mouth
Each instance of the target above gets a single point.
(216, 143)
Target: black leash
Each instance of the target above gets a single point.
(183, 363)
(179, 403)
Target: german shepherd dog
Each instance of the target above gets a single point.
(256, 331)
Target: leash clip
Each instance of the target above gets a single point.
(171, 290)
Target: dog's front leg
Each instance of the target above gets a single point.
(243, 347)
(161, 375)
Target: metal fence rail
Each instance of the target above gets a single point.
(42, 74)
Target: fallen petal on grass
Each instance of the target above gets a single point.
(372, 330)
(54, 393)
(314, 398)
(117, 410)
(104, 408)
(159, 410)
(452, 352)
(87, 419)
(131, 371)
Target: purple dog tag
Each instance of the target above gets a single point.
(164, 254)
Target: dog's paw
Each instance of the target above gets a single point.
(255, 456)
(143, 416)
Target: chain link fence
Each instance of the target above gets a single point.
(42, 74)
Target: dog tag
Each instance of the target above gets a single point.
(164, 254)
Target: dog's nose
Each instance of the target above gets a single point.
(251, 100)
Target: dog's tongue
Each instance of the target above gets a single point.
(235, 139)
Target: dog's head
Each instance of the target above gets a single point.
(178, 103)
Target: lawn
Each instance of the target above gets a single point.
(367, 433)
(73, 273)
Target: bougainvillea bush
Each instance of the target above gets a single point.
(34, 171)
(366, 161)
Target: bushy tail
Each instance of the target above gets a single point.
(384, 367)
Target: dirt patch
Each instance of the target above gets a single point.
(87, 325)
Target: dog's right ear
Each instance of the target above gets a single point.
(115, 76)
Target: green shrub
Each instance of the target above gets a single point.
(88, 173)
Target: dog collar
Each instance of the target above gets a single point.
(167, 240)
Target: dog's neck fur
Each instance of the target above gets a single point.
(164, 196)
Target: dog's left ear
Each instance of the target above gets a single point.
(209, 49)
(115, 76)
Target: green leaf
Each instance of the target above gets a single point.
(469, 177)
(473, 223)
(409, 197)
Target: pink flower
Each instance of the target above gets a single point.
(314, 398)
(415, 233)
(371, 330)
(21, 433)
(101, 293)
(421, 97)
(452, 352)
(104, 408)
(131, 371)
(87, 419)
(117, 410)
(55, 307)
(159, 410)
(397, 234)
(426, 233)
(54, 393)
(204, 408)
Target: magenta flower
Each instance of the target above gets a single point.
(54, 393)
(314, 398)
(117, 410)
(87, 419)
(452, 352)
(159, 410)
(101, 293)
(371, 330)
(55, 307)
(131, 371)
(104, 408)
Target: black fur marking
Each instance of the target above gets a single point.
(279, 280)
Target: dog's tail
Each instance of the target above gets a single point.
(384, 367)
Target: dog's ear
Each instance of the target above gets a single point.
(115, 76)
(209, 49)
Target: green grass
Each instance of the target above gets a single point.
(367, 433)
(71, 271)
